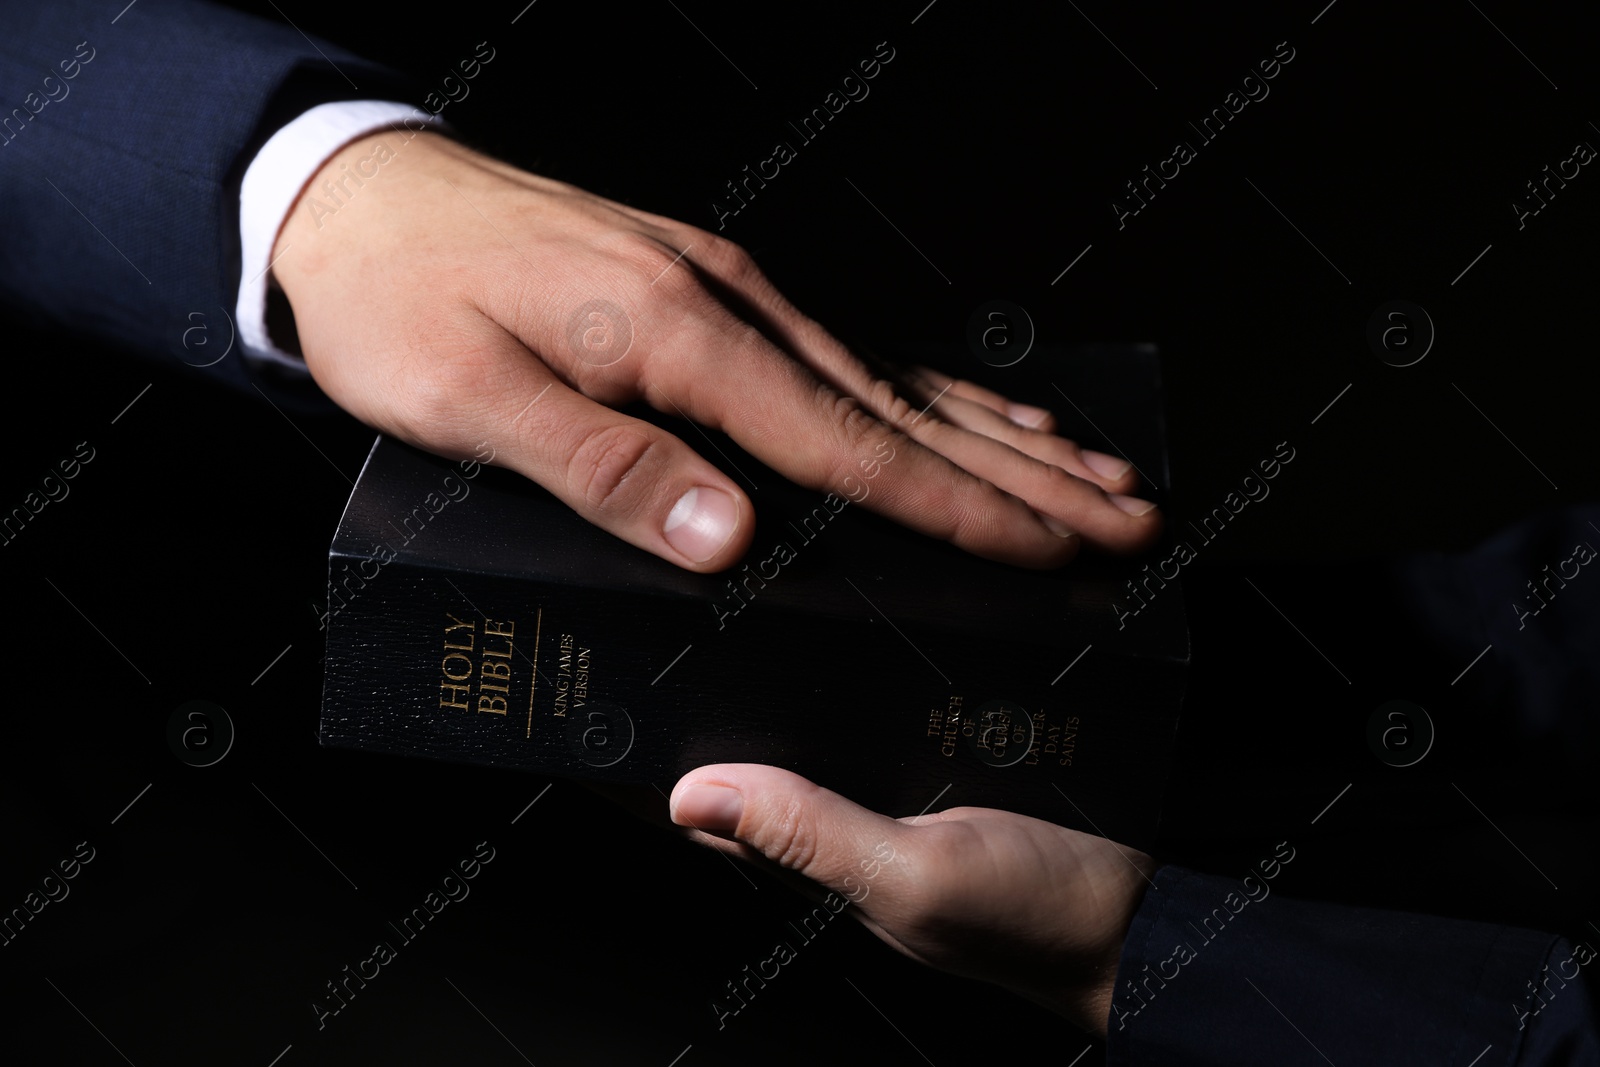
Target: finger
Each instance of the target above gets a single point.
(1111, 473)
(1111, 522)
(806, 431)
(687, 354)
(805, 338)
(936, 382)
(691, 356)
(1115, 523)
(791, 822)
(633, 479)
(830, 358)
(809, 432)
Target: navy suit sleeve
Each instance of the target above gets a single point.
(1216, 972)
(122, 142)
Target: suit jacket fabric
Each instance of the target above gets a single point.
(122, 142)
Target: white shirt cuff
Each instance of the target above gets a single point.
(270, 187)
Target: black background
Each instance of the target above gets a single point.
(192, 549)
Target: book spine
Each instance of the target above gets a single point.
(596, 683)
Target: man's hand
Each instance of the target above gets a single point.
(450, 300)
(1028, 905)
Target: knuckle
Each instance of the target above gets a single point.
(728, 258)
(442, 394)
(426, 402)
(600, 467)
(934, 900)
(697, 355)
(790, 837)
(893, 408)
(863, 430)
(1055, 482)
(852, 417)
(629, 245)
(674, 302)
(660, 272)
(678, 298)
(663, 287)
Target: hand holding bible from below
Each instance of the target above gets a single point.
(455, 299)
(1033, 907)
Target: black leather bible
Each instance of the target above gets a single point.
(473, 617)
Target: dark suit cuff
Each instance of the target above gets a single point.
(1219, 971)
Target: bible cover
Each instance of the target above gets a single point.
(473, 617)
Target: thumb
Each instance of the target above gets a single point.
(626, 476)
(787, 819)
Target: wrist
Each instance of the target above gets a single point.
(1085, 996)
(341, 200)
(275, 178)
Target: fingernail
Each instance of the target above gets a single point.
(1026, 414)
(1055, 525)
(714, 808)
(1132, 504)
(701, 522)
(1108, 467)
